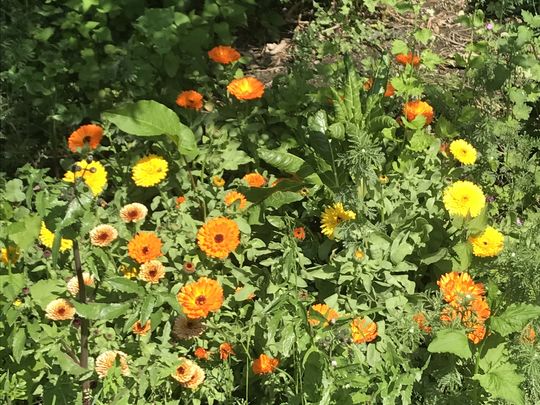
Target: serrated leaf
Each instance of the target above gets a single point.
(514, 318)
(502, 381)
(451, 341)
(398, 46)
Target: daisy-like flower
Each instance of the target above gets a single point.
(59, 310)
(196, 379)
(134, 212)
(477, 334)
(186, 328)
(463, 151)
(144, 246)
(218, 181)
(464, 198)
(264, 364)
(254, 179)
(93, 174)
(390, 90)
(105, 361)
(184, 372)
(46, 238)
(103, 235)
(487, 244)
(363, 330)
(325, 311)
(246, 88)
(10, 255)
(219, 237)
(152, 271)
(332, 217)
(201, 297)
(232, 196)
(189, 267)
(299, 233)
(459, 288)
(225, 350)
(408, 59)
(73, 283)
(383, 179)
(413, 109)
(201, 353)
(190, 99)
(224, 54)
(149, 171)
(141, 330)
(421, 321)
(90, 135)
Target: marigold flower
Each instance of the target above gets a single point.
(180, 200)
(103, 235)
(264, 364)
(463, 151)
(421, 321)
(59, 310)
(487, 244)
(46, 238)
(196, 379)
(10, 255)
(464, 198)
(90, 135)
(218, 181)
(141, 330)
(332, 217)
(93, 174)
(224, 54)
(477, 334)
(459, 288)
(149, 171)
(363, 330)
(225, 350)
(184, 372)
(201, 353)
(105, 361)
(134, 212)
(144, 246)
(187, 328)
(232, 196)
(325, 311)
(152, 271)
(299, 233)
(368, 84)
(413, 109)
(189, 267)
(73, 283)
(190, 99)
(219, 237)
(254, 179)
(408, 59)
(201, 297)
(246, 88)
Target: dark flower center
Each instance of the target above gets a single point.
(200, 300)
(145, 250)
(103, 236)
(87, 139)
(152, 273)
(61, 310)
(218, 238)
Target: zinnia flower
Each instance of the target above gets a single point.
(201, 297)
(332, 217)
(459, 288)
(46, 237)
(225, 350)
(487, 244)
(325, 311)
(10, 255)
(223, 54)
(93, 174)
(413, 109)
(187, 328)
(254, 179)
(152, 271)
(190, 99)
(233, 196)
(103, 235)
(247, 88)
(149, 171)
(105, 361)
(140, 330)
(363, 330)
(464, 198)
(201, 353)
(218, 181)
(59, 310)
(408, 59)
(219, 237)
(85, 135)
(463, 151)
(145, 246)
(73, 283)
(299, 233)
(133, 212)
(264, 364)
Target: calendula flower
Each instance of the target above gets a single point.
(383, 179)
(408, 59)
(218, 181)
(219, 237)
(325, 311)
(363, 330)
(201, 353)
(332, 217)
(368, 84)
(144, 246)
(149, 171)
(196, 379)
(201, 297)
(463, 151)
(359, 254)
(133, 212)
(189, 267)
(59, 310)
(190, 99)
(232, 196)
(225, 350)
(246, 88)
(93, 174)
(105, 361)
(223, 54)
(299, 233)
(129, 272)
(184, 371)
(459, 288)
(528, 335)
(73, 283)
(90, 135)
(477, 334)
(254, 179)
(180, 200)
(152, 271)
(187, 328)
(103, 235)
(46, 238)
(421, 321)
(464, 198)
(10, 255)
(487, 244)
(413, 109)
(264, 364)
(141, 330)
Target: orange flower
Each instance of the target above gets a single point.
(413, 109)
(106, 360)
(134, 212)
(264, 364)
(325, 311)
(459, 288)
(254, 179)
(218, 181)
(299, 233)
(190, 99)
(223, 54)
(152, 271)
(247, 88)
(138, 329)
(421, 321)
(145, 246)
(368, 84)
(184, 372)
(201, 353)
(478, 333)
(225, 350)
(408, 59)
(85, 135)
(233, 196)
(390, 90)
(200, 297)
(73, 283)
(180, 200)
(59, 310)
(103, 235)
(363, 330)
(218, 237)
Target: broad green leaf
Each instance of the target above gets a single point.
(464, 253)
(284, 161)
(423, 35)
(451, 341)
(281, 198)
(19, 341)
(25, 232)
(44, 291)
(421, 140)
(146, 308)
(400, 249)
(398, 46)
(514, 318)
(125, 285)
(14, 191)
(502, 381)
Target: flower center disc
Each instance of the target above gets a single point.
(200, 300)
(218, 238)
(145, 250)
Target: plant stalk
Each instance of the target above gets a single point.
(83, 359)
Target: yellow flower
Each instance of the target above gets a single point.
(17, 303)
(463, 151)
(218, 181)
(464, 198)
(332, 217)
(149, 171)
(487, 244)
(93, 174)
(10, 255)
(129, 272)
(47, 238)
(359, 254)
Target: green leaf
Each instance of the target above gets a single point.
(423, 36)
(14, 191)
(102, 311)
(451, 341)
(25, 232)
(19, 341)
(289, 163)
(514, 318)
(281, 198)
(421, 140)
(464, 254)
(398, 46)
(502, 381)
(44, 291)
(400, 249)
(146, 308)
(125, 285)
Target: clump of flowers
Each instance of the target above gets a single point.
(73, 283)
(489, 243)
(324, 311)
(219, 237)
(93, 174)
(246, 88)
(232, 196)
(254, 179)
(105, 361)
(190, 99)
(413, 109)
(463, 199)
(363, 330)
(332, 217)
(141, 330)
(46, 237)
(149, 171)
(90, 135)
(152, 271)
(59, 309)
(134, 212)
(463, 151)
(103, 235)
(408, 59)
(201, 297)
(189, 374)
(224, 54)
(264, 364)
(144, 246)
